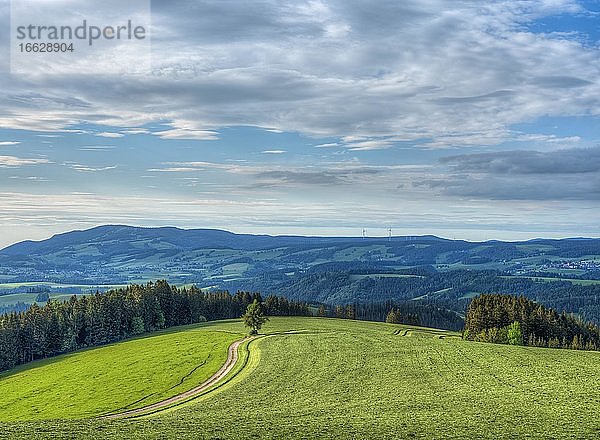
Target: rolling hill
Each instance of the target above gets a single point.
(121, 254)
(563, 274)
(114, 377)
(346, 380)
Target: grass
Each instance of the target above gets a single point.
(351, 380)
(128, 375)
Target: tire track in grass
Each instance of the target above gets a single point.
(489, 368)
(136, 402)
(168, 389)
(232, 357)
(190, 373)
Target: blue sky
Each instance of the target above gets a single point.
(475, 120)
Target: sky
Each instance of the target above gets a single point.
(465, 119)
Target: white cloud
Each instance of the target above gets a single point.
(369, 145)
(187, 129)
(181, 133)
(273, 152)
(550, 139)
(453, 73)
(88, 169)
(7, 143)
(135, 131)
(110, 135)
(12, 161)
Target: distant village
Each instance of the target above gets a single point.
(581, 265)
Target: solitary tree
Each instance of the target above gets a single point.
(254, 317)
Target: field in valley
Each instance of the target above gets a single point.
(328, 379)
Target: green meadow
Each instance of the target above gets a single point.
(327, 378)
(120, 376)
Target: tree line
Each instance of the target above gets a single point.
(87, 321)
(515, 319)
(331, 284)
(396, 312)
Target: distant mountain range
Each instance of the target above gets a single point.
(116, 253)
(320, 269)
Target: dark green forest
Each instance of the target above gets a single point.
(87, 321)
(93, 320)
(403, 312)
(453, 290)
(508, 319)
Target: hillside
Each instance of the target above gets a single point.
(103, 380)
(121, 254)
(348, 379)
(563, 274)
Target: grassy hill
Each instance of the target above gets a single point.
(127, 375)
(348, 379)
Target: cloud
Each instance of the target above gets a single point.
(568, 161)
(30, 178)
(273, 152)
(280, 178)
(328, 177)
(569, 174)
(7, 143)
(503, 94)
(110, 135)
(550, 139)
(180, 133)
(89, 169)
(135, 131)
(363, 76)
(12, 161)
(369, 145)
(560, 82)
(185, 129)
(496, 187)
(331, 68)
(174, 167)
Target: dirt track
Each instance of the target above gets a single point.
(232, 358)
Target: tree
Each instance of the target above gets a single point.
(393, 317)
(514, 334)
(39, 332)
(254, 317)
(137, 325)
(42, 297)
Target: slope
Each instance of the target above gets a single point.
(347, 380)
(116, 377)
